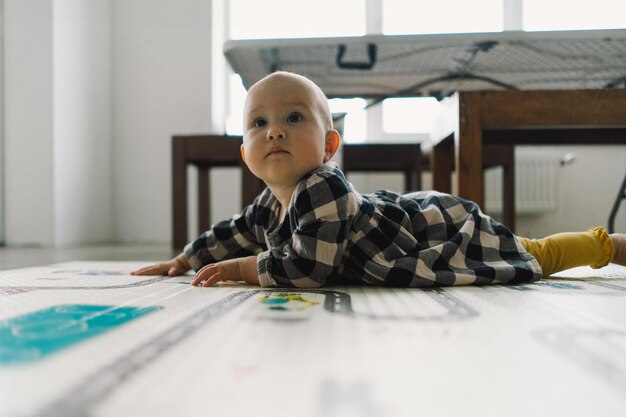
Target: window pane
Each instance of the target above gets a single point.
(354, 123)
(290, 19)
(441, 16)
(234, 118)
(409, 115)
(569, 15)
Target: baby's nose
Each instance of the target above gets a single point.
(275, 134)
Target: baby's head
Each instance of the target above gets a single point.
(287, 128)
(304, 86)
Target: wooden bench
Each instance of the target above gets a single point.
(211, 151)
(204, 152)
(376, 157)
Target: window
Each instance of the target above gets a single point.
(409, 115)
(441, 16)
(416, 115)
(402, 118)
(569, 15)
(234, 116)
(354, 122)
(290, 19)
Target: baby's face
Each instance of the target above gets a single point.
(284, 131)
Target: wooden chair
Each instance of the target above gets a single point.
(204, 152)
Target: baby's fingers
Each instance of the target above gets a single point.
(202, 274)
(210, 274)
(215, 278)
(173, 271)
(150, 270)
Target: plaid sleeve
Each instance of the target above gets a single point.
(234, 238)
(319, 216)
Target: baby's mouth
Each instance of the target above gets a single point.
(276, 151)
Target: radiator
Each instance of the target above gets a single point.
(536, 186)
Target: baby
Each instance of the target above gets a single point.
(310, 227)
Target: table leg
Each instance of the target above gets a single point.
(179, 193)
(469, 150)
(204, 199)
(441, 165)
(251, 186)
(508, 192)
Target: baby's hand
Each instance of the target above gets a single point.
(172, 268)
(238, 269)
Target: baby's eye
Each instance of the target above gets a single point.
(294, 117)
(259, 122)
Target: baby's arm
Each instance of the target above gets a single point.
(177, 266)
(238, 269)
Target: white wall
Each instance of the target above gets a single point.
(57, 122)
(2, 200)
(162, 76)
(82, 121)
(95, 90)
(28, 122)
(587, 190)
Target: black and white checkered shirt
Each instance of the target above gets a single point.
(333, 234)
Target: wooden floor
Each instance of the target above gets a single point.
(88, 339)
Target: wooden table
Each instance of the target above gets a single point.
(469, 121)
(382, 66)
(517, 64)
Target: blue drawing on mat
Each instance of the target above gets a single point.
(33, 336)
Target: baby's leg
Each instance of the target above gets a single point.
(619, 243)
(562, 251)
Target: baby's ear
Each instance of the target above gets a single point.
(332, 144)
(243, 153)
